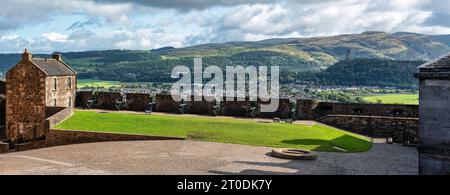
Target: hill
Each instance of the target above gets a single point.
(367, 72)
(293, 55)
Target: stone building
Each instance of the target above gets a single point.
(2, 109)
(434, 112)
(37, 88)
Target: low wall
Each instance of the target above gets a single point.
(399, 128)
(311, 109)
(377, 120)
(165, 103)
(59, 117)
(200, 107)
(138, 101)
(64, 137)
(235, 108)
(82, 97)
(108, 100)
(283, 111)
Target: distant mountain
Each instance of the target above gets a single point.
(325, 51)
(293, 55)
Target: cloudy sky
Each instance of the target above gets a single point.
(45, 26)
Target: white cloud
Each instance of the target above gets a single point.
(143, 24)
(56, 37)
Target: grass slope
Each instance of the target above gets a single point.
(248, 132)
(97, 83)
(394, 99)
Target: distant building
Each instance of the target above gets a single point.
(37, 88)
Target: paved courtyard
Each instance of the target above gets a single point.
(191, 157)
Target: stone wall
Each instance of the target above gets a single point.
(58, 117)
(400, 129)
(138, 101)
(64, 137)
(377, 120)
(434, 150)
(311, 109)
(108, 100)
(235, 108)
(165, 103)
(2, 118)
(25, 102)
(284, 110)
(63, 95)
(201, 107)
(82, 97)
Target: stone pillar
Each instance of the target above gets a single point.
(434, 114)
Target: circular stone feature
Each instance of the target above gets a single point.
(294, 154)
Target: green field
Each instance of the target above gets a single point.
(97, 83)
(225, 130)
(394, 99)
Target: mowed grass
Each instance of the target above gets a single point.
(97, 83)
(225, 130)
(394, 99)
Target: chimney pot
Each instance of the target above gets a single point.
(57, 56)
(26, 55)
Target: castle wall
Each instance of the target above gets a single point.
(378, 120)
(165, 103)
(82, 97)
(138, 101)
(108, 100)
(235, 107)
(283, 111)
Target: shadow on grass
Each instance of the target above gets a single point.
(346, 142)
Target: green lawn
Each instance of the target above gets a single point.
(394, 99)
(248, 132)
(97, 83)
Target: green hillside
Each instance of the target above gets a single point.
(295, 56)
(367, 72)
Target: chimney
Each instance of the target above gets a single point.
(57, 56)
(26, 55)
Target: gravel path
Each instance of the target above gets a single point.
(191, 157)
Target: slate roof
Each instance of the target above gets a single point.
(53, 67)
(440, 64)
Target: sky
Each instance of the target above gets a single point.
(45, 26)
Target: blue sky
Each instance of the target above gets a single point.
(45, 26)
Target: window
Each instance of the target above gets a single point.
(70, 102)
(54, 84)
(54, 102)
(69, 83)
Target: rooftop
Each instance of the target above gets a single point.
(436, 68)
(436, 65)
(53, 67)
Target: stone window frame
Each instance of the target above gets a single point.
(54, 84)
(55, 101)
(69, 82)
(70, 102)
